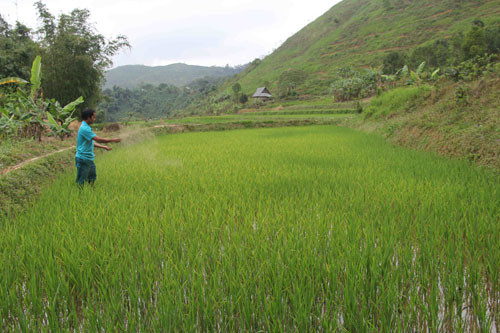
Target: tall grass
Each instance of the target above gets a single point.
(396, 101)
(295, 229)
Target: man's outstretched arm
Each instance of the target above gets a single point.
(102, 146)
(103, 140)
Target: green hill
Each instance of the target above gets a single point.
(360, 33)
(179, 75)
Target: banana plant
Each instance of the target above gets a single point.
(36, 76)
(416, 77)
(24, 111)
(435, 75)
(59, 118)
(404, 72)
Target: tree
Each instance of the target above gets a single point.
(236, 92)
(75, 55)
(393, 61)
(17, 50)
(435, 55)
(474, 43)
(236, 88)
(493, 40)
(289, 80)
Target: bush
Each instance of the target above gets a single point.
(354, 85)
(462, 95)
(434, 55)
(393, 61)
(243, 98)
(473, 68)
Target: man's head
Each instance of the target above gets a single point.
(88, 115)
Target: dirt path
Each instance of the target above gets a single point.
(20, 165)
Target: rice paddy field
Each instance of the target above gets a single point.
(314, 228)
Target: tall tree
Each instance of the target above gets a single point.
(75, 55)
(17, 50)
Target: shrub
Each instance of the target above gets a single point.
(462, 95)
(472, 68)
(435, 55)
(289, 80)
(354, 85)
(243, 98)
(393, 61)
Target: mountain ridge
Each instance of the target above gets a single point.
(178, 74)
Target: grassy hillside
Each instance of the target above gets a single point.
(437, 119)
(176, 74)
(360, 33)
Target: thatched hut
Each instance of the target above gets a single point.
(262, 93)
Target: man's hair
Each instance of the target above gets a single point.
(87, 113)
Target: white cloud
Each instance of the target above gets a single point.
(191, 31)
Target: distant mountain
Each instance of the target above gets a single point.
(131, 76)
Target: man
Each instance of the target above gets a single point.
(84, 158)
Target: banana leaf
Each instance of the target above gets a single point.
(36, 75)
(404, 71)
(435, 74)
(52, 121)
(414, 76)
(420, 68)
(16, 80)
(70, 108)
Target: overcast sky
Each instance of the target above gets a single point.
(195, 32)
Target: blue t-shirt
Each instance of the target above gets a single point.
(84, 143)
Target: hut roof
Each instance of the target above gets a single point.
(262, 92)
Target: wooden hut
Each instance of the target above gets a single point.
(262, 93)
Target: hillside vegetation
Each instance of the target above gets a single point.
(453, 119)
(179, 75)
(359, 34)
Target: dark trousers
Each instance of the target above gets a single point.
(85, 171)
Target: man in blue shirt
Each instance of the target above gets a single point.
(84, 158)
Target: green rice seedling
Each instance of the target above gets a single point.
(314, 228)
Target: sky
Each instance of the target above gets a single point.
(195, 32)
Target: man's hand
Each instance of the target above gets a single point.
(117, 140)
(107, 148)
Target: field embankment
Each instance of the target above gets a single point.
(20, 187)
